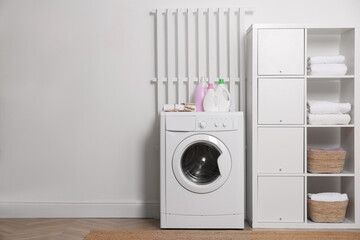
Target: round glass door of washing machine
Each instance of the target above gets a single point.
(201, 163)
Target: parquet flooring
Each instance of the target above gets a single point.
(77, 229)
(67, 229)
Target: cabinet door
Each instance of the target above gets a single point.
(281, 51)
(281, 101)
(280, 199)
(280, 150)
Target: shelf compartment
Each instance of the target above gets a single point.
(332, 90)
(333, 137)
(344, 184)
(330, 42)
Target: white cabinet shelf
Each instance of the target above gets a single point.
(279, 134)
(330, 126)
(342, 174)
(331, 77)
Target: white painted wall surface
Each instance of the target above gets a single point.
(78, 130)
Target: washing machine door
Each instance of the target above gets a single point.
(201, 163)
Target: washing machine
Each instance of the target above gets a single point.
(202, 170)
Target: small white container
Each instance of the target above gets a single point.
(210, 103)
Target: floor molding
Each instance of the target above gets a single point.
(79, 210)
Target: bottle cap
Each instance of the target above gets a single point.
(221, 81)
(210, 86)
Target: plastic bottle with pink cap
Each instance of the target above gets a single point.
(210, 100)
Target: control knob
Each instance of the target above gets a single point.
(203, 124)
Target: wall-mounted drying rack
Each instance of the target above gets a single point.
(191, 43)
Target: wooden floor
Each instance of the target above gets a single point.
(74, 229)
(66, 229)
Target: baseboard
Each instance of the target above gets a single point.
(79, 210)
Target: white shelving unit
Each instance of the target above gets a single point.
(278, 135)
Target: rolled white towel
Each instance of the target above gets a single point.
(168, 107)
(326, 59)
(325, 107)
(333, 69)
(173, 107)
(328, 197)
(329, 119)
(179, 107)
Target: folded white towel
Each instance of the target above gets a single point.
(329, 119)
(325, 107)
(328, 197)
(326, 59)
(333, 69)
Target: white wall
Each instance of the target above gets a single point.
(78, 130)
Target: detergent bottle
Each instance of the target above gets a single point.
(210, 100)
(200, 94)
(223, 97)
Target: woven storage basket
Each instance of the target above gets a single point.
(325, 161)
(327, 212)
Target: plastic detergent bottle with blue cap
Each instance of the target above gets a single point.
(223, 97)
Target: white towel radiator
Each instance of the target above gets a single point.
(191, 43)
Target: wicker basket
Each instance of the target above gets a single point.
(327, 212)
(325, 161)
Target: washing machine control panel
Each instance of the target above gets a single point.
(215, 123)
